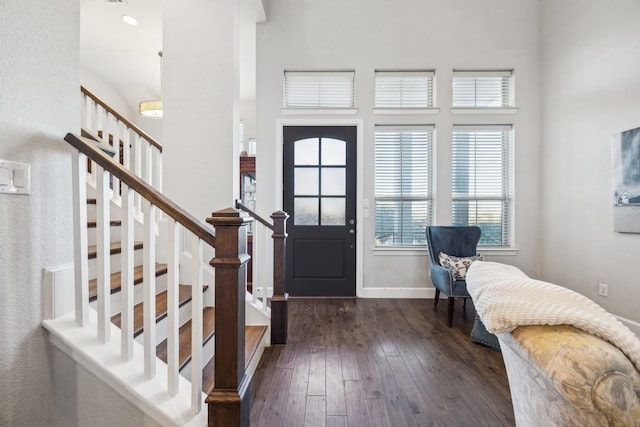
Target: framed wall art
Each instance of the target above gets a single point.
(625, 157)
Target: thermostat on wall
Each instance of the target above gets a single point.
(15, 178)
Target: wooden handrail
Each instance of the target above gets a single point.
(254, 215)
(123, 119)
(88, 147)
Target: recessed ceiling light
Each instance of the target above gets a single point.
(129, 20)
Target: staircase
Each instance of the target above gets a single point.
(253, 333)
(144, 298)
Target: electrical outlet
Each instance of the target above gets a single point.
(603, 290)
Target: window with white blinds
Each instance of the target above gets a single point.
(482, 181)
(404, 89)
(319, 89)
(483, 89)
(403, 184)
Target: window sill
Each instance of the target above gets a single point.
(399, 250)
(487, 110)
(318, 111)
(498, 251)
(406, 111)
(422, 251)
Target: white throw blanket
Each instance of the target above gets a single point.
(506, 298)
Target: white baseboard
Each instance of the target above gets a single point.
(390, 292)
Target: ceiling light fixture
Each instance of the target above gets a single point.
(153, 109)
(130, 20)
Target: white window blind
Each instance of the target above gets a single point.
(319, 89)
(483, 89)
(482, 181)
(403, 184)
(404, 89)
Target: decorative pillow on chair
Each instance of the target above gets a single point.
(458, 266)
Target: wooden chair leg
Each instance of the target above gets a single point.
(435, 301)
(450, 312)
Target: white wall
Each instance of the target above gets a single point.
(106, 91)
(408, 34)
(201, 104)
(86, 400)
(39, 104)
(591, 90)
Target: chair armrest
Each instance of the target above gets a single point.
(441, 278)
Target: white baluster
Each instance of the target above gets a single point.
(93, 116)
(84, 111)
(149, 291)
(196, 325)
(126, 146)
(259, 261)
(148, 162)
(137, 149)
(157, 169)
(255, 262)
(266, 241)
(94, 125)
(173, 281)
(99, 119)
(103, 223)
(80, 238)
(114, 129)
(127, 266)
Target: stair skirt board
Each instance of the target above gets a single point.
(126, 378)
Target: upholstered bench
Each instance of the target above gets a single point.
(569, 362)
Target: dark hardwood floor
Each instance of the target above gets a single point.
(379, 362)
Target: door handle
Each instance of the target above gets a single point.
(352, 221)
(352, 231)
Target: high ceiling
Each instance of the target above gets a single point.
(127, 56)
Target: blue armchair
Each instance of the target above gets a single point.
(459, 241)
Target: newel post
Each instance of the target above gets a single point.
(279, 301)
(229, 403)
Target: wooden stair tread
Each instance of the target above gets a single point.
(115, 248)
(184, 296)
(252, 337)
(184, 336)
(116, 280)
(112, 223)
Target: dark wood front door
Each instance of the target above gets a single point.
(320, 196)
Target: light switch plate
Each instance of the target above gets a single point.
(5, 176)
(15, 177)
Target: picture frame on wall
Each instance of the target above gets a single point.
(625, 158)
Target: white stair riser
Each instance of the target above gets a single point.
(161, 285)
(184, 314)
(115, 235)
(207, 354)
(115, 263)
